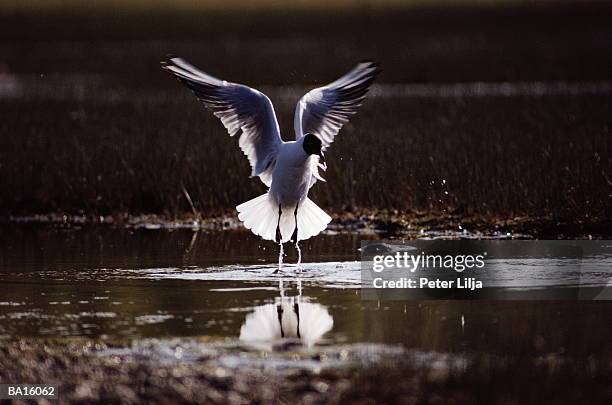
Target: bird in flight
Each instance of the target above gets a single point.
(289, 169)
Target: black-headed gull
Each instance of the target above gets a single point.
(290, 168)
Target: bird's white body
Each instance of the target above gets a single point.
(289, 171)
(291, 179)
(292, 174)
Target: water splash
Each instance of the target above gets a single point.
(299, 261)
(327, 274)
(281, 253)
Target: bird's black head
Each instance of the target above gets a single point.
(312, 145)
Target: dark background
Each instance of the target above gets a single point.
(501, 109)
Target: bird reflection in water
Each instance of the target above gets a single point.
(289, 321)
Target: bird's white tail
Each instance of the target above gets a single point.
(260, 215)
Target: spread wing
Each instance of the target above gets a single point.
(241, 109)
(324, 110)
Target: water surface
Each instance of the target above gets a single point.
(109, 284)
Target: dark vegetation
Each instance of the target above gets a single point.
(92, 124)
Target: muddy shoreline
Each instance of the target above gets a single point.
(197, 371)
(391, 225)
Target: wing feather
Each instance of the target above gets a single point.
(241, 109)
(324, 111)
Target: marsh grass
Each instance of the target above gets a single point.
(474, 155)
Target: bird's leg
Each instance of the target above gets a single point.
(294, 236)
(279, 237)
(279, 240)
(294, 239)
